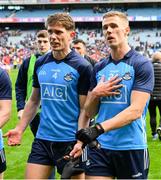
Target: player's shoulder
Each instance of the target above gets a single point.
(75, 57)
(25, 62)
(77, 62)
(138, 58)
(3, 73)
(4, 76)
(43, 59)
(101, 64)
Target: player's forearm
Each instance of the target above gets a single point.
(131, 113)
(29, 113)
(5, 112)
(83, 121)
(124, 118)
(92, 104)
(4, 117)
(20, 98)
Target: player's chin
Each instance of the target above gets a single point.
(55, 48)
(112, 45)
(43, 51)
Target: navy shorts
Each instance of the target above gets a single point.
(128, 164)
(2, 161)
(49, 153)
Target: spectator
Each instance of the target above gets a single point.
(24, 79)
(80, 46)
(155, 100)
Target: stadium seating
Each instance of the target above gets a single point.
(80, 12)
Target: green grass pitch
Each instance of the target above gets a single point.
(17, 156)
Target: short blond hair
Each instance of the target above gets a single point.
(61, 18)
(121, 15)
(156, 57)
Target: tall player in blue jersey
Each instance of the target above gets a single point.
(120, 126)
(5, 111)
(61, 82)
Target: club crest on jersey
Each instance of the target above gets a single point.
(68, 77)
(127, 76)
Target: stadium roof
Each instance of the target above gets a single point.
(36, 2)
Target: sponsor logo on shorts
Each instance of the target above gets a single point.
(137, 175)
(88, 162)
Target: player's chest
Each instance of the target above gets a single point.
(122, 70)
(58, 74)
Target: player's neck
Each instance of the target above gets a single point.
(59, 55)
(120, 52)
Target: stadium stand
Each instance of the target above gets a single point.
(29, 16)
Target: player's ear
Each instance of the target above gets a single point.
(127, 30)
(72, 34)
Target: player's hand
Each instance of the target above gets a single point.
(90, 134)
(108, 88)
(77, 150)
(14, 137)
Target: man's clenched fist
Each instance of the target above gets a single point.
(90, 134)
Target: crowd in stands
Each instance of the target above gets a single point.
(17, 45)
(13, 52)
(103, 9)
(92, 10)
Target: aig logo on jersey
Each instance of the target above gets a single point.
(50, 91)
(127, 76)
(117, 99)
(68, 77)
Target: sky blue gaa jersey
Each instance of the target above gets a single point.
(137, 74)
(61, 83)
(5, 93)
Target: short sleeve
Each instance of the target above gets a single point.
(5, 86)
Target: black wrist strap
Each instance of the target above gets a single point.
(99, 128)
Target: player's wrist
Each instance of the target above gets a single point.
(19, 129)
(95, 94)
(80, 143)
(99, 128)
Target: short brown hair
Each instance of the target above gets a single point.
(117, 13)
(76, 41)
(61, 18)
(42, 33)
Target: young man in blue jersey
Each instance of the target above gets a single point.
(61, 81)
(121, 120)
(5, 111)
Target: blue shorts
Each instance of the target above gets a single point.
(2, 161)
(128, 164)
(49, 153)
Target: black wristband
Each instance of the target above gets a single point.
(99, 128)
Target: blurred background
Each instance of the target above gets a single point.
(21, 19)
